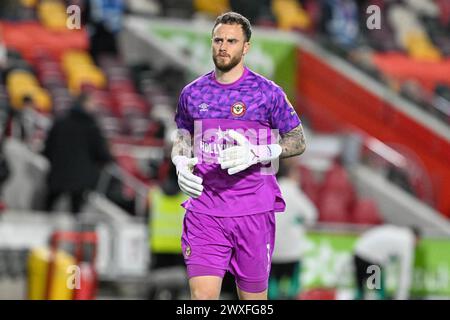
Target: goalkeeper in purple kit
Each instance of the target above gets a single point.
(233, 126)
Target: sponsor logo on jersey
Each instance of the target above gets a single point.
(203, 107)
(187, 252)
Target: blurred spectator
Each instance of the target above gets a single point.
(4, 171)
(290, 233)
(378, 247)
(76, 150)
(441, 101)
(412, 90)
(181, 8)
(116, 192)
(5, 115)
(9, 9)
(166, 224)
(19, 129)
(400, 178)
(254, 10)
(104, 18)
(5, 121)
(381, 39)
(3, 55)
(340, 22)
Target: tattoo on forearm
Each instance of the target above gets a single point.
(182, 144)
(293, 143)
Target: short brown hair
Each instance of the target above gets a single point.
(235, 18)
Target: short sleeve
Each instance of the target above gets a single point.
(182, 117)
(283, 116)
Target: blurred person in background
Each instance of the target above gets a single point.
(18, 115)
(9, 9)
(3, 56)
(290, 240)
(253, 10)
(4, 164)
(5, 115)
(340, 22)
(379, 247)
(76, 150)
(104, 22)
(166, 224)
(4, 107)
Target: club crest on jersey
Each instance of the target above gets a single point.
(238, 109)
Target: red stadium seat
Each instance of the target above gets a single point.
(318, 294)
(337, 178)
(309, 185)
(366, 211)
(337, 182)
(333, 208)
(130, 165)
(346, 195)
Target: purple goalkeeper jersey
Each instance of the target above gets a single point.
(253, 106)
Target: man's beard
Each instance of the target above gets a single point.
(225, 67)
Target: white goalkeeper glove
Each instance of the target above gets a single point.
(245, 154)
(189, 183)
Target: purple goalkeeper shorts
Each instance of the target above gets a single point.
(242, 245)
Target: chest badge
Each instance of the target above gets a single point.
(238, 109)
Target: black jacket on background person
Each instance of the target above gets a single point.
(76, 150)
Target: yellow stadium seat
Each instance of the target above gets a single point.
(52, 14)
(213, 8)
(73, 59)
(21, 83)
(75, 81)
(42, 100)
(40, 97)
(290, 15)
(56, 26)
(29, 3)
(80, 69)
(20, 78)
(16, 97)
(419, 47)
(51, 6)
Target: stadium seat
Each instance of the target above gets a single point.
(365, 211)
(318, 294)
(22, 83)
(290, 15)
(336, 178)
(309, 185)
(52, 14)
(29, 3)
(19, 78)
(444, 10)
(419, 47)
(333, 208)
(337, 182)
(212, 8)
